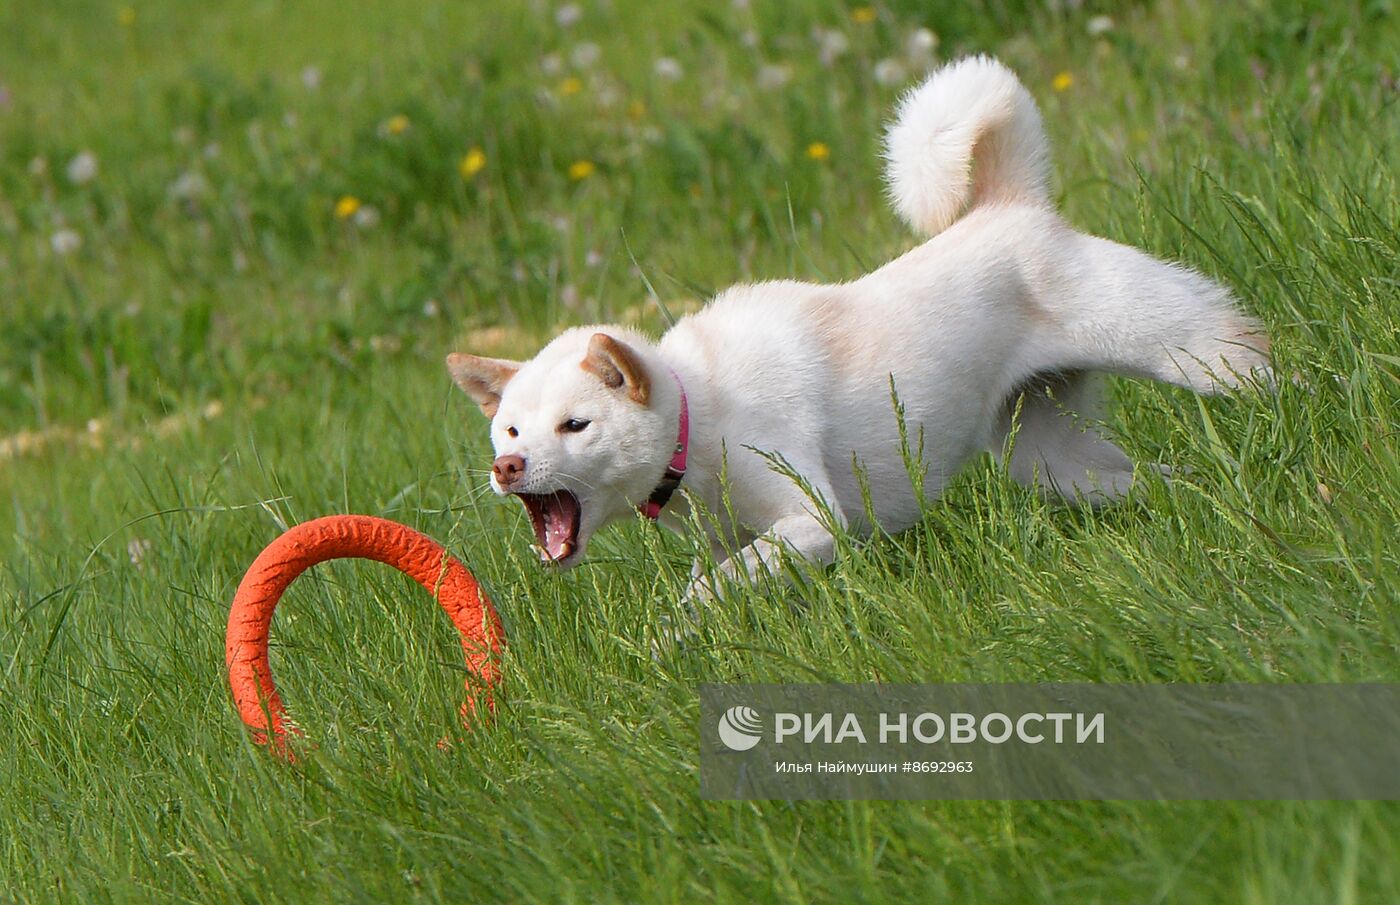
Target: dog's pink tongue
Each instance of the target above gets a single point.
(559, 526)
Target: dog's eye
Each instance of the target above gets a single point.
(512, 432)
(574, 425)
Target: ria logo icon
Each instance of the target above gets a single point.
(740, 728)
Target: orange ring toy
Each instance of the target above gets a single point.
(339, 537)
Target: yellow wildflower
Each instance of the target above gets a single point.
(472, 163)
(126, 16)
(571, 86)
(636, 110)
(581, 169)
(1062, 81)
(818, 150)
(345, 208)
(397, 124)
(863, 15)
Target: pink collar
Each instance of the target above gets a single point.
(676, 470)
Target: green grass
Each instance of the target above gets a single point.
(215, 363)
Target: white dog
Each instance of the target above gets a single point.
(1005, 308)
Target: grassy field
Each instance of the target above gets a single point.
(236, 240)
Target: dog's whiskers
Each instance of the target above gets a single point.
(576, 479)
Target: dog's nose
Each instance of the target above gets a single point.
(507, 470)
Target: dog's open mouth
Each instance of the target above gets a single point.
(555, 517)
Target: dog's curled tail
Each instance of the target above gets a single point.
(969, 135)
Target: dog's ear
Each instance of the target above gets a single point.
(483, 379)
(619, 366)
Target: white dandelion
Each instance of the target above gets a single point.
(567, 15)
(366, 216)
(668, 68)
(890, 71)
(831, 44)
(772, 76)
(607, 96)
(920, 49)
(311, 77)
(585, 55)
(65, 242)
(1099, 25)
(82, 169)
(190, 185)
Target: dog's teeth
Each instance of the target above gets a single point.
(566, 551)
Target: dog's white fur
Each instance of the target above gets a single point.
(1005, 302)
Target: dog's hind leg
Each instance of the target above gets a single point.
(1058, 448)
(1116, 309)
(1122, 310)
